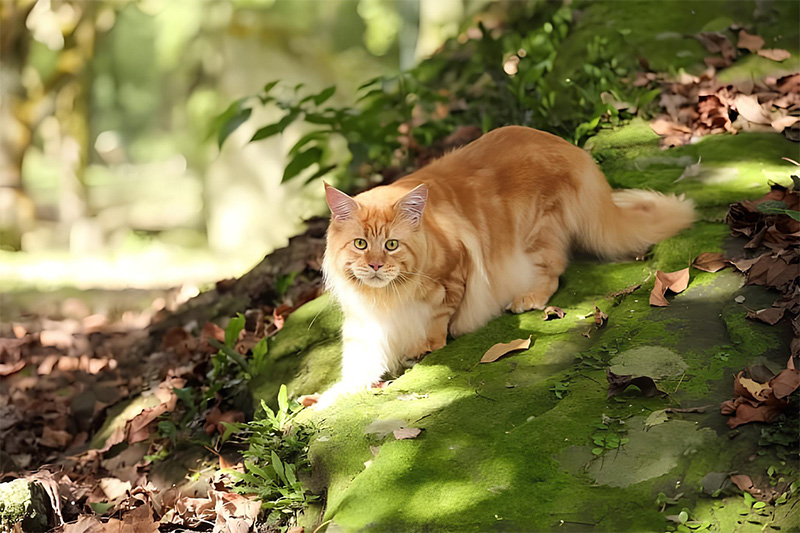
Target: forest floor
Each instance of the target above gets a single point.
(122, 411)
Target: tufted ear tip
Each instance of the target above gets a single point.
(341, 205)
(412, 205)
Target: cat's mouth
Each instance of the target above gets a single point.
(375, 280)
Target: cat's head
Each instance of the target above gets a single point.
(375, 241)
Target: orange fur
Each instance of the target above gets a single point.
(500, 218)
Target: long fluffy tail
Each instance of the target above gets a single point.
(626, 222)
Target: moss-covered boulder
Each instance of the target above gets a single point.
(531, 442)
(24, 503)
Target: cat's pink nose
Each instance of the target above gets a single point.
(375, 266)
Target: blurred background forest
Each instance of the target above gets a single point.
(111, 175)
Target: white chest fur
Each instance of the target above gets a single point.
(389, 335)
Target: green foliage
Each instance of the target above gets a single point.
(277, 454)
(611, 436)
(508, 75)
(776, 207)
(560, 388)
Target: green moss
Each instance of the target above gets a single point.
(498, 449)
(26, 502)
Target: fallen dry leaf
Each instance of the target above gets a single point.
(139, 520)
(114, 488)
(215, 419)
(308, 400)
(760, 402)
(553, 312)
(55, 438)
(785, 383)
(716, 42)
(753, 43)
(6, 369)
(711, 262)
(771, 315)
(759, 391)
(747, 105)
(690, 171)
(673, 281)
(85, 524)
(781, 123)
(600, 318)
(406, 433)
(775, 54)
(617, 384)
(500, 349)
(742, 481)
(236, 513)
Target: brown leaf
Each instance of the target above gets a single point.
(717, 42)
(212, 331)
(617, 384)
(6, 369)
(753, 43)
(600, 318)
(308, 400)
(85, 524)
(759, 391)
(215, 419)
(500, 349)
(780, 124)
(771, 315)
(747, 105)
(552, 311)
(742, 481)
(55, 438)
(235, 513)
(114, 488)
(406, 433)
(139, 520)
(674, 281)
(711, 262)
(746, 413)
(775, 54)
(785, 383)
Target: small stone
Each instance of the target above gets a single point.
(739, 299)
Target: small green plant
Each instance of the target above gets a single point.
(610, 435)
(560, 388)
(276, 458)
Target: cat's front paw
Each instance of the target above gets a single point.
(430, 345)
(527, 302)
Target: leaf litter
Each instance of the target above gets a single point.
(85, 364)
(695, 106)
(760, 401)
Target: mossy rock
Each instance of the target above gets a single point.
(26, 503)
(512, 445)
(499, 449)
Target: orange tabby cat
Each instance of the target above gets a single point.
(485, 228)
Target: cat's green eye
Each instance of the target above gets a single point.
(361, 244)
(392, 244)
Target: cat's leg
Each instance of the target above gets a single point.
(548, 259)
(364, 362)
(444, 300)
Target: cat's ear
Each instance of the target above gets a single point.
(412, 204)
(342, 206)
